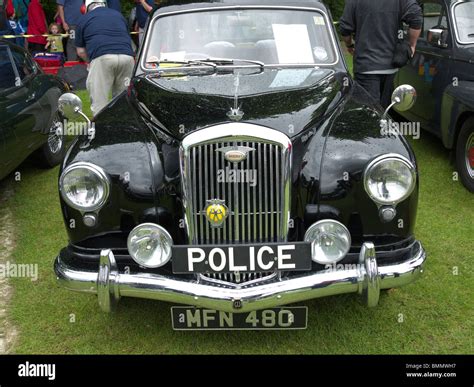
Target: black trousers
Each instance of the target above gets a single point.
(379, 86)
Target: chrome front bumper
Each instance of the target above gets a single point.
(366, 278)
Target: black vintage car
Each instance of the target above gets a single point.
(243, 170)
(29, 120)
(442, 72)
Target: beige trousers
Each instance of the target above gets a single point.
(108, 73)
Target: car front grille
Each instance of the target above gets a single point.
(256, 191)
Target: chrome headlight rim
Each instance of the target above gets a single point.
(384, 158)
(95, 169)
(162, 230)
(328, 221)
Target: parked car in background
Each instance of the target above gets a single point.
(442, 71)
(28, 111)
(242, 171)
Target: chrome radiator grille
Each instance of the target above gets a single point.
(255, 191)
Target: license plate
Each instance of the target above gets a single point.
(188, 318)
(242, 258)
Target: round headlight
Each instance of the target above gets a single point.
(150, 245)
(330, 239)
(389, 179)
(84, 186)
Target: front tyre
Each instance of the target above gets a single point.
(52, 152)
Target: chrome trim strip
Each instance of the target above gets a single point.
(222, 135)
(371, 284)
(248, 279)
(266, 295)
(329, 24)
(108, 293)
(455, 24)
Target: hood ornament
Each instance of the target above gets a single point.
(235, 113)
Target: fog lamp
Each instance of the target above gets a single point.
(150, 245)
(330, 240)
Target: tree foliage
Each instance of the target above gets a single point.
(336, 7)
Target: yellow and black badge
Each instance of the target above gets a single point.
(216, 212)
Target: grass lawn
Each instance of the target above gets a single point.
(433, 315)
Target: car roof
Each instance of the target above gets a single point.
(181, 5)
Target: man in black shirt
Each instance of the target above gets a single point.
(376, 26)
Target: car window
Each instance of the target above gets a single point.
(464, 19)
(270, 36)
(7, 73)
(434, 16)
(23, 64)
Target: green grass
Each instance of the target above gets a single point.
(437, 311)
(86, 103)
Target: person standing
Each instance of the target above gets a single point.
(103, 38)
(19, 18)
(70, 14)
(6, 12)
(21, 12)
(36, 26)
(143, 7)
(376, 26)
(55, 40)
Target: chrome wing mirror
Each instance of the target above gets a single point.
(438, 37)
(403, 99)
(70, 106)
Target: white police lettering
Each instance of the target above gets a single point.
(192, 259)
(212, 262)
(37, 370)
(283, 257)
(260, 263)
(264, 258)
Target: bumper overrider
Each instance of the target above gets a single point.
(366, 278)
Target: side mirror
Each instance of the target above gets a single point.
(438, 37)
(403, 99)
(70, 106)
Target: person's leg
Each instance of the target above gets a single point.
(371, 83)
(123, 74)
(141, 35)
(100, 81)
(387, 90)
(71, 52)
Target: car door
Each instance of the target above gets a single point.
(430, 70)
(13, 124)
(33, 136)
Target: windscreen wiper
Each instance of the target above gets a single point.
(227, 61)
(187, 63)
